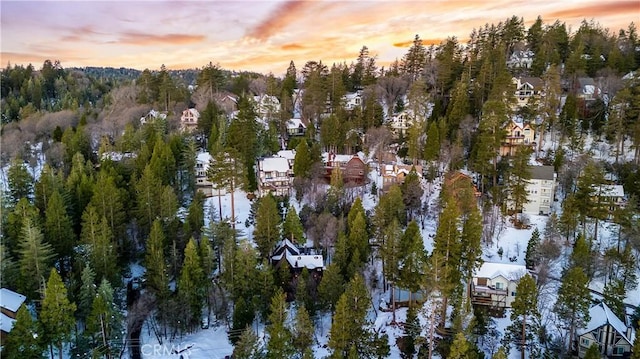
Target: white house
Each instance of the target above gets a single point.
(203, 160)
(295, 127)
(189, 120)
(275, 175)
(266, 105)
(540, 190)
(494, 284)
(352, 100)
(613, 337)
(610, 196)
(152, 116)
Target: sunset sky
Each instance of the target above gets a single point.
(261, 35)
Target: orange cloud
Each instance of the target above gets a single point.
(598, 10)
(135, 38)
(80, 33)
(284, 15)
(292, 46)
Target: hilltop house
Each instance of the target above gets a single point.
(354, 170)
(520, 59)
(275, 174)
(518, 134)
(189, 120)
(10, 303)
(227, 102)
(527, 88)
(152, 116)
(613, 337)
(494, 284)
(540, 190)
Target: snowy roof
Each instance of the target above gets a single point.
(203, 157)
(192, 111)
(610, 190)
(511, 272)
(542, 172)
(278, 164)
(6, 323)
(11, 300)
(600, 315)
(337, 158)
(295, 123)
(310, 261)
(288, 154)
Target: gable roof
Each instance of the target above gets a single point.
(295, 123)
(600, 315)
(535, 82)
(11, 300)
(292, 254)
(6, 323)
(512, 272)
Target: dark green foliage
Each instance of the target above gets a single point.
(267, 229)
(331, 286)
(531, 257)
(23, 341)
(411, 332)
(280, 339)
(19, 180)
(56, 315)
(36, 258)
(574, 300)
(292, 228)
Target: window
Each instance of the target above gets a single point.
(618, 350)
(513, 294)
(498, 285)
(584, 342)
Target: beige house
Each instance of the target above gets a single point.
(189, 120)
(518, 134)
(395, 174)
(540, 190)
(494, 284)
(527, 88)
(613, 337)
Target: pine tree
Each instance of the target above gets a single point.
(105, 321)
(157, 279)
(582, 256)
(292, 228)
(243, 316)
(247, 346)
(23, 341)
(593, 352)
(108, 202)
(432, 144)
(414, 60)
(331, 287)
(195, 216)
(412, 192)
(574, 299)
(519, 176)
(79, 187)
(500, 354)
(471, 236)
(303, 330)
(58, 231)
(359, 239)
(19, 180)
(35, 259)
(302, 162)
(190, 289)
(613, 295)
(525, 317)
(87, 291)
(531, 257)
(280, 340)
(57, 312)
(97, 235)
(50, 181)
(412, 258)
(267, 228)
(13, 224)
(460, 349)
(390, 252)
(411, 331)
(349, 321)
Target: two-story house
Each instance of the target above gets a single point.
(189, 120)
(396, 173)
(527, 88)
(203, 184)
(295, 127)
(494, 284)
(10, 303)
(586, 89)
(540, 190)
(613, 337)
(518, 134)
(609, 197)
(267, 106)
(153, 116)
(352, 100)
(275, 175)
(353, 168)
